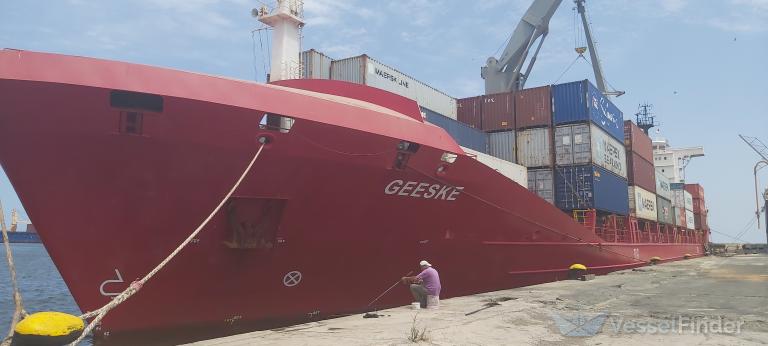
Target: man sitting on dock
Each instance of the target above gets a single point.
(427, 283)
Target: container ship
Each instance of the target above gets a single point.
(29, 235)
(351, 178)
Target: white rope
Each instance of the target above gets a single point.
(136, 285)
(18, 312)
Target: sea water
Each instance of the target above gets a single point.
(41, 285)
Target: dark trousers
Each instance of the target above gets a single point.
(419, 294)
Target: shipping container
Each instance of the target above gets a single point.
(676, 186)
(461, 133)
(516, 173)
(578, 144)
(690, 222)
(696, 190)
(590, 187)
(679, 215)
(534, 147)
(533, 107)
(637, 141)
(581, 101)
(663, 187)
(699, 206)
(366, 70)
(700, 221)
(498, 112)
(470, 111)
(315, 65)
(540, 182)
(503, 145)
(682, 199)
(642, 203)
(664, 210)
(641, 172)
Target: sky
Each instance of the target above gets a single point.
(702, 64)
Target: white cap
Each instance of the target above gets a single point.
(424, 263)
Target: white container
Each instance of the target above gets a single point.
(663, 188)
(688, 200)
(578, 144)
(541, 182)
(642, 203)
(678, 199)
(534, 147)
(503, 145)
(416, 306)
(689, 221)
(366, 70)
(607, 152)
(516, 173)
(315, 65)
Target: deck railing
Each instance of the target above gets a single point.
(628, 229)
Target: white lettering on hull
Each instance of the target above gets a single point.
(417, 189)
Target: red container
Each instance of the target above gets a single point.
(498, 112)
(699, 206)
(700, 221)
(637, 141)
(696, 190)
(641, 172)
(470, 111)
(533, 107)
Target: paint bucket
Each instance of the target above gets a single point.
(433, 302)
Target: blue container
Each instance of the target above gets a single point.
(590, 187)
(23, 237)
(461, 133)
(581, 101)
(677, 186)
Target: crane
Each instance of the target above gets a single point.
(596, 67)
(757, 145)
(506, 73)
(761, 149)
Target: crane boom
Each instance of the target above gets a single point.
(505, 74)
(756, 145)
(596, 66)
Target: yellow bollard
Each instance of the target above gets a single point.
(47, 328)
(577, 271)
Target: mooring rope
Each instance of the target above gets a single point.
(18, 312)
(136, 285)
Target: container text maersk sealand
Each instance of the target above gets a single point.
(148, 152)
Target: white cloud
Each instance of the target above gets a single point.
(737, 24)
(755, 5)
(673, 6)
(744, 16)
(327, 12)
(420, 12)
(341, 50)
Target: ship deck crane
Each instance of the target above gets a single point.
(761, 149)
(506, 73)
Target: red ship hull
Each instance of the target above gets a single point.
(326, 199)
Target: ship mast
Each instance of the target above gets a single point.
(286, 21)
